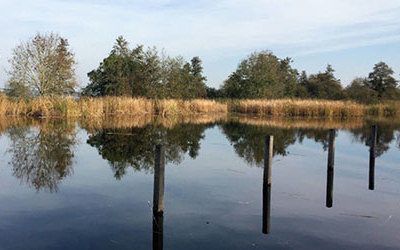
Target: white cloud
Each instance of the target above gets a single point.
(211, 29)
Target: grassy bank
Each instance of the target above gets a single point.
(129, 107)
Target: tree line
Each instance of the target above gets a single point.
(45, 66)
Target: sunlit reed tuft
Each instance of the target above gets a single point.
(64, 107)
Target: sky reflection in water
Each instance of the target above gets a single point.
(68, 187)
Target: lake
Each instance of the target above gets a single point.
(77, 185)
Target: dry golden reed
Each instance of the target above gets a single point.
(105, 107)
(170, 107)
(299, 108)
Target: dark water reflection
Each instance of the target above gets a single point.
(133, 147)
(42, 156)
(57, 190)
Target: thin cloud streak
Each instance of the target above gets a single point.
(206, 28)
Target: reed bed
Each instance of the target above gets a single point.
(40, 107)
(387, 109)
(299, 108)
(106, 107)
(115, 106)
(189, 107)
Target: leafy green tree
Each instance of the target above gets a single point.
(117, 74)
(213, 93)
(301, 90)
(382, 81)
(198, 80)
(176, 78)
(43, 66)
(149, 75)
(262, 75)
(144, 73)
(359, 91)
(324, 85)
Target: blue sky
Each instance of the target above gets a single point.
(352, 35)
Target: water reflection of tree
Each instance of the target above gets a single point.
(318, 135)
(42, 156)
(385, 136)
(134, 147)
(248, 140)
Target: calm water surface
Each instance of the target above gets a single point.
(68, 187)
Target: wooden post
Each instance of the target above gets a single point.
(159, 169)
(268, 155)
(158, 198)
(330, 169)
(372, 155)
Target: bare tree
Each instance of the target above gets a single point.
(43, 66)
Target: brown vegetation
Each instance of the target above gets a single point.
(299, 108)
(63, 107)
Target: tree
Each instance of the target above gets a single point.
(213, 93)
(382, 81)
(324, 85)
(262, 75)
(359, 91)
(144, 73)
(301, 90)
(43, 66)
(176, 78)
(117, 74)
(198, 81)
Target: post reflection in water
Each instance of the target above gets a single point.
(268, 155)
(158, 227)
(330, 169)
(372, 155)
(158, 197)
(41, 158)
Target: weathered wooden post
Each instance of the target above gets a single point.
(330, 169)
(268, 155)
(372, 156)
(158, 197)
